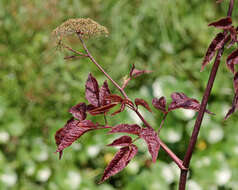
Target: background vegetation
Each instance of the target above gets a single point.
(37, 87)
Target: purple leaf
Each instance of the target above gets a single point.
(102, 109)
(159, 104)
(217, 43)
(72, 130)
(126, 128)
(143, 103)
(119, 162)
(180, 100)
(235, 82)
(79, 111)
(114, 98)
(135, 72)
(92, 90)
(122, 141)
(151, 138)
(223, 23)
(233, 107)
(103, 93)
(232, 59)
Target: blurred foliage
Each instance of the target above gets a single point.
(38, 87)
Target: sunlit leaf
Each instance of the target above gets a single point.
(180, 100)
(92, 90)
(79, 111)
(126, 128)
(122, 141)
(119, 162)
(159, 104)
(217, 43)
(151, 138)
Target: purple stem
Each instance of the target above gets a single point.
(193, 138)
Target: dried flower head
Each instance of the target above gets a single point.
(86, 27)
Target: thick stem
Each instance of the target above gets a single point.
(193, 139)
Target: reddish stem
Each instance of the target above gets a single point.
(193, 138)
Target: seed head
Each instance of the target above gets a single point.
(86, 27)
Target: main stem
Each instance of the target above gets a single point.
(193, 139)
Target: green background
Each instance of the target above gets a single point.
(37, 88)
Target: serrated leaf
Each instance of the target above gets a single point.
(217, 43)
(151, 138)
(79, 111)
(159, 104)
(119, 162)
(180, 100)
(139, 101)
(72, 130)
(126, 128)
(92, 91)
(223, 23)
(232, 59)
(104, 91)
(121, 141)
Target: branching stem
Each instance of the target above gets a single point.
(163, 145)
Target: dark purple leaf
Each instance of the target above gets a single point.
(88, 124)
(217, 43)
(102, 109)
(143, 103)
(151, 138)
(233, 36)
(126, 128)
(92, 90)
(234, 106)
(114, 98)
(122, 141)
(159, 104)
(65, 136)
(223, 23)
(119, 162)
(232, 60)
(79, 111)
(235, 82)
(180, 100)
(103, 93)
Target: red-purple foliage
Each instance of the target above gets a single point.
(120, 161)
(141, 102)
(160, 104)
(180, 100)
(121, 141)
(223, 23)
